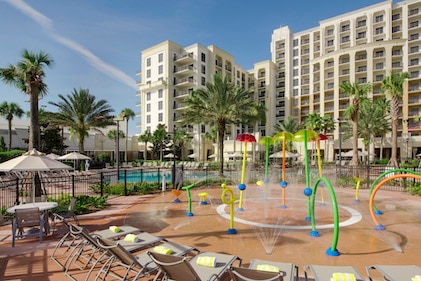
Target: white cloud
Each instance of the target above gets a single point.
(92, 59)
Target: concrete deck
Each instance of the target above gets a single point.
(264, 230)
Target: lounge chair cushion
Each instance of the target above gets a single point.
(131, 238)
(162, 250)
(206, 261)
(339, 276)
(267, 267)
(115, 229)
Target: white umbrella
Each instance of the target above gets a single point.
(350, 153)
(236, 154)
(53, 156)
(287, 154)
(193, 155)
(32, 161)
(74, 156)
(170, 155)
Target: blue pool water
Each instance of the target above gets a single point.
(152, 176)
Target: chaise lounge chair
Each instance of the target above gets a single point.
(180, 268)
(325, 272)
(395, 272)
(248, 274)
(290, 269)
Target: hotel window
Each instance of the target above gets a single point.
(361, 35)
(295, 52)
(378, 54)
(413, 12)
(160, 105)
(295, 72)
(345, 28)
(379, 30)
(295, 82)
(160, 69)
(148, 119)
(379, 77)
(160, 57)
(396, 29)
(295, 62)
(345, 39)
(203, 57)
(160, 117)
(148, 107)
(414, 61)
(414, 49)
(329, 32)
(160, 93)
(414, 74)
(396, 52)
(379, 18)
(295, 92)
(295, 43)
(148, 73)
(413, 24)
(361, 23)
(203, 81)
(148, 96)
(379, 65)
(203, 69)
(413, 37)
(330, 43)
(148, 62)
(396, 16)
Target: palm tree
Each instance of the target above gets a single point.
(28, 76)
(358, 94)
(160, 140)
(127, 114)
(81, 112)
(181, 139)
(112, 135)
(221, 104)
(392, 86)
(289, 125)
(145, 137)
(8, 111)
(373, 121)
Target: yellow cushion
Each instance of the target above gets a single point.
(115, 229)
(162, 250)
(131, 238)
(206, 261)
(339, 276)
(267, 267)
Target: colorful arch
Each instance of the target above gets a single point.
(378, 186)
(332, 251)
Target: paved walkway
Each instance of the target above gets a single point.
(359, 244)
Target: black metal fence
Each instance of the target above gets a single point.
(17, 188)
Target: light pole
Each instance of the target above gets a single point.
(174, 163)
(340, 148)
(117, 147)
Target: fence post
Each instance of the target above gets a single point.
(125, 182)
(73, 185)
(17, 191)
(101, 183)
(159, 176)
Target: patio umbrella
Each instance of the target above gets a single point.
(74, 156)
(287, 154)
(169, 155)
(53, 156)
(245, 138)
(32, 161)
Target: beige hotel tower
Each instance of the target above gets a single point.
(302, 76)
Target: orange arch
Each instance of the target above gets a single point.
(380, 184)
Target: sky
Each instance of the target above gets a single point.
(96, 44)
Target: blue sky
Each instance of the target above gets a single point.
(96, 44)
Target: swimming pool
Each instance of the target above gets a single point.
(154, 176)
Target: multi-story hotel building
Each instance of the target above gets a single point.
(304, 73)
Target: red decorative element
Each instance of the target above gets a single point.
(323, 137)
(245, 138)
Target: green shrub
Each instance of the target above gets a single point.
(413, 188)
(103, 157)
(84, 204)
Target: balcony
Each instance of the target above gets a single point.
(184, 70)
(153, 85)
(185, 82)
(184, 58)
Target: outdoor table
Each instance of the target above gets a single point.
(42, 206)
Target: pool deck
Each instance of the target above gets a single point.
(359, 244)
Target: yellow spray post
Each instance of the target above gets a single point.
(357, 187)
(229, 202)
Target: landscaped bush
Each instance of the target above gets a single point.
(413, 188)
(84, 204)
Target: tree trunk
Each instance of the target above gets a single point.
(34, 136)
(221, 134)
(9, 120)
(393, 162)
